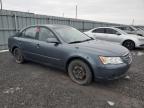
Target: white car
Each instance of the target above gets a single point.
(116, 35)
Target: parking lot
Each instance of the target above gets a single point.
(32, 85)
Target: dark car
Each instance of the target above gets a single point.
(67, 48)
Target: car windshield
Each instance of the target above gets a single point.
(71, 35)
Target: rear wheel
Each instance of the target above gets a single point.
(18, 55)
(129, 44)
(80, 72)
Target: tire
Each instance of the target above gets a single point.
(79, 72)
(18, 56)
(129, 44)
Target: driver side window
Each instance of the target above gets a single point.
(29, 33)
(45, 33)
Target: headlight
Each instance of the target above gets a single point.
(111, 60)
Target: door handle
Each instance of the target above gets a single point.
(37, 45)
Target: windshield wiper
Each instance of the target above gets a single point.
(88, 39)
(81, 41)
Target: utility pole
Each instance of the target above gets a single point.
(63, 14)
(76, 11)
(133, 22)
(1, 4)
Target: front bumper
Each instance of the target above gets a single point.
(111, 72)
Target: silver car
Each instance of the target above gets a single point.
(116, 35)
(132, 30)
(139, 28)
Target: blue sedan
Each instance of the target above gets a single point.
(64, 47)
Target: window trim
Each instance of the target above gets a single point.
(60, 42)
(48, 30)
(23, 36)
(97, 29)
(110, 29)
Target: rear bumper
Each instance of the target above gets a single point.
(111, 72)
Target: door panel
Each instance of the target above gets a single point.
(99, 34)
(29, 47)
(28, 43)
(112, 35)
(50, 53)
(113, 38)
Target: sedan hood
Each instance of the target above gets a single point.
(103, 48)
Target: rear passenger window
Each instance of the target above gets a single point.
(30, 33)
(45, 33)
(100, 30)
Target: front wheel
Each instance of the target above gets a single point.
(18, 55)
(129, 44)
(80, 72)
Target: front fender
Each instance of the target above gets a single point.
(92, 61)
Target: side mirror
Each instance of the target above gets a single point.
(117, 33)
(52, 40)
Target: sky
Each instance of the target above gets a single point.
(113, 11)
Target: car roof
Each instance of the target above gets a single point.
(124, 26)
(121, 31)
(120, 26)
(53, 25)
(107, 27)
(131, 26)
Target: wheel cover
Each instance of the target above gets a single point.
(79, 72)
(129, 44)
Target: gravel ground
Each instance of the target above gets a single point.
(32, 85)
